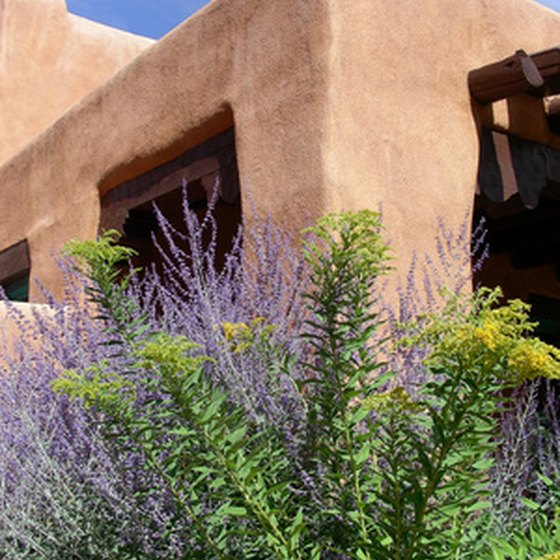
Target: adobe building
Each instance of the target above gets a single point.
(300, 106)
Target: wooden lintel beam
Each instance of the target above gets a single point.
(537, 74)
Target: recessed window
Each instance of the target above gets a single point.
(129, 207)
(14, 271)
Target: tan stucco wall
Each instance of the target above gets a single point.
(49, 59)
(13, 319)
(401, 128)
(337, 104)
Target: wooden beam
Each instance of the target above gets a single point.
(548, 63)
(537, 74)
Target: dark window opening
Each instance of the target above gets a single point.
(553, 115)
(14, 271)
(546, 311)
(519, 199)
(141, 226)
(210, 171)
(524, 255)
(18, 288)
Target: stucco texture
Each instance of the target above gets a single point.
(16, 319)
(50, 59)
(337, 104)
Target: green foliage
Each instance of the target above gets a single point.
(400, 473)
(346, 255)
(100, 261)
(349, 243)
(202, 450)
(438, 446)
(406, 474)
(98, 258)
(540, 542)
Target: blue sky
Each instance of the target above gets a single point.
(554, 4)
(154, 18)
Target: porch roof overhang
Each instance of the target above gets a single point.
(536, 74)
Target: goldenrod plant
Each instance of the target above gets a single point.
(380, 471)
(244, 415)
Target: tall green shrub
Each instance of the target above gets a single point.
(378, 471)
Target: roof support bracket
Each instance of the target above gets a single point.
(537, 74)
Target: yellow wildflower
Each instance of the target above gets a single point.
(396, 400)
(477, 332)
(531, 358)
(234, 330)
(241, 336)
(488, 334)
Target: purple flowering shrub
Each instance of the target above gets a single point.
(206, 413)
(61, 494)
(243, 317)
(257, 295)
(245, 412)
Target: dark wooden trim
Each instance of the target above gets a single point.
(548, 63)
(527, 167)
(14, 261)
(212, 156)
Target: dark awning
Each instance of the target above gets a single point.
(509, 165)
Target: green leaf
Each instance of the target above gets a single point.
(362, 555)
(484, 464)
(238, 434)
(479, 506)
(362, 455)
(233, 511)
(532, 505)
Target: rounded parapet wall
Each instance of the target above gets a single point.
(49, 60)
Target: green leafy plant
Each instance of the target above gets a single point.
(101, 262)
(346, 255)
(229, 479)
(540, 542)
(381, 468)
(438, 445)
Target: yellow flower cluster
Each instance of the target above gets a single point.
(531, 358)
(233, 331)
(171, 355)
(487, 334)
(477, 332)
(96, 386)
(554, 556)
(358, 233)
(241, 336)
(393, 401)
